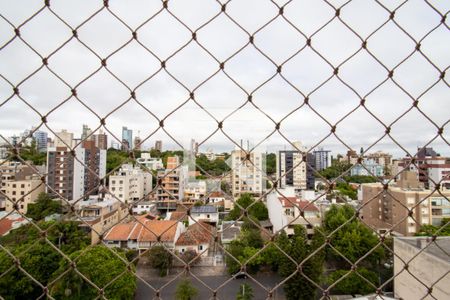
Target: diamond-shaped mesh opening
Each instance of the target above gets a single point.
(224, 150)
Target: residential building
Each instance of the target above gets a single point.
(286, 209)
(427, 260)
(127, 139)
(75, 174)
(230, 231)
(144, 207)
(247, 172)
(98, 214)
(22, 192)
(11, 171)
(86, 133)
(158, 146)
(4, 150)
(64, 139)
(151, 163)
(389, 210)
(198, 237)
(291, 168)
(382, 158)
(367, 168)
(144, 233)
(41, 140)
(322, 159)
(204, 213)
(137, 142)
(195, 191)
(130, 183)
(101, 140)
(172, 180)
(11, 221)
(438, 172)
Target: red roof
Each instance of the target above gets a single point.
(196, 234)
(216, 195)
(303, 205)
(6, 224)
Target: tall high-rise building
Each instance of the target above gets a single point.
(291, 169)
(101, 140)
(322, 159)
(247, 172)
(86, 133)
(172, 180)
(158, 145)
(41, 140)
(127, 138)
(75, 174)
(64, 139)
(137, 143)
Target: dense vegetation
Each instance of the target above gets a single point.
(429, 230)
(44, 206)
(257, 210)
(30, 153)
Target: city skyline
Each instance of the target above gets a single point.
(414, 79)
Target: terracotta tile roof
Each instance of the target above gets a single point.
(120, 232)
(178, 216)
(143, 230)
(6, 224)
(154, 228)
(216, 195)
(301, 204)
(196, 234)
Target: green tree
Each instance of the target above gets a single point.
(44, 206)
(245, 292)
(271, 165)
(185, 290)
(115, 158)
(335, 170)
(353, 284)
(353, 238)
(160, 258)
(30, 153)
(430, 230)
(298, 248)
(257, 210)
(101, 266)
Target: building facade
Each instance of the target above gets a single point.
(127, 139)
(151, 163)
(130, 183)
(23, 192)
(389, 210)
(247, 172)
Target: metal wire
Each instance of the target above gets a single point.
(279, 13)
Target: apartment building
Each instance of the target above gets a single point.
(151, 163)
(75, 174)
(64, 139)
(158, 145)
(204, 213)
(286, 209)
(291, 169)
(23, 192)
(247, 174)
(172, 181)
(195, 190)
(99, 214)
(127, 139)
(385, 210)
(40, 138)
(368, 167)
(130, 183)
(101, 140)
(11, 171)
(322, 159)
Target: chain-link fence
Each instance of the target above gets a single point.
(287, 222)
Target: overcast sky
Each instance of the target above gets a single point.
(220, 96)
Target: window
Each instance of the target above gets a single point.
(200, 247)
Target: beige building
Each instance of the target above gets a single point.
(130, 183)
(431, 266)
(172, 181)
(99, 215)
(247, 174)
(23, 192)
(384, 210)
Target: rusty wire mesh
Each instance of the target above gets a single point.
(279, 12)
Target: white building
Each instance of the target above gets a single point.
(151, 163)
(438, 172)
(291, 170)
(247, 174)
(204, 213)
(130, 183)
(285, 211)
(143, 207)
(195, 190)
